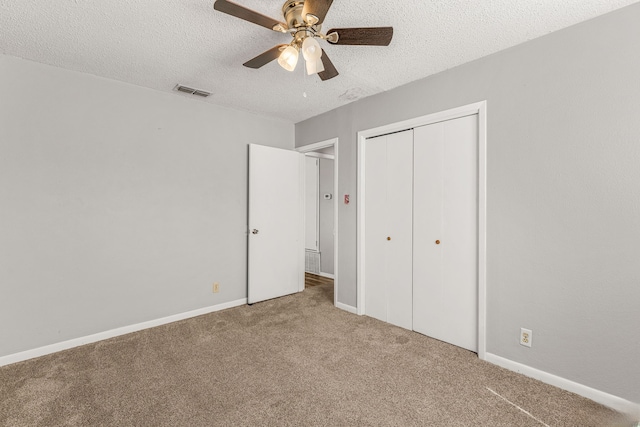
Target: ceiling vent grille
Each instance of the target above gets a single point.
(191, 91)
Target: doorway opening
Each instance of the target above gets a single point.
(321, 214)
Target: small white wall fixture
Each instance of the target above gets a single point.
(479, 108)
(314, 147)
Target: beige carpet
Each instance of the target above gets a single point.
(292, 361)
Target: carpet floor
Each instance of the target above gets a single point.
(292, 361)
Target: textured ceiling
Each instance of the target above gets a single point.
(157, 44)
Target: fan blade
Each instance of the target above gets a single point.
(317, 8)
(265, 57)
(247, 14)
(374, 36)
(329, 69)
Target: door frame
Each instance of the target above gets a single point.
(479, 108)
(313, 147)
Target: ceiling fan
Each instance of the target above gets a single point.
(303, 20)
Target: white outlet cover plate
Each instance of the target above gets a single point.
(526, 337)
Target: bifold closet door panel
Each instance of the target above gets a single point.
(375, 224)
(388, 228)
(427, 228)
(400, 229)
(445, 209)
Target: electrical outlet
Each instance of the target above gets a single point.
(525, 337)
(216, 287)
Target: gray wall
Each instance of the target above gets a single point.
(563, 193)
(118, 204)
(326, 216)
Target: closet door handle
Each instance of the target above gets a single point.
(254, 231)
(437, 242)
(388, 238)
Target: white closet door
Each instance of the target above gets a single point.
(445, 210)
(375, 268)
(400, 229)
(388, 228)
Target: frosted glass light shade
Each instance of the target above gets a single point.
(311, 51)
(288, 58)
(314, 66)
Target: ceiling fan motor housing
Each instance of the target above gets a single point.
(292, 11)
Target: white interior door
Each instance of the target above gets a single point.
(276, 222)
(388, 228)
(445, 248)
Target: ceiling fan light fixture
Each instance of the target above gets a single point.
(303, 20)
(311, 51)
(314, 67)
(288, 59)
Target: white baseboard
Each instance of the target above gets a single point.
(327, 275)
(346, 307)
(76, 342)
(606, 399)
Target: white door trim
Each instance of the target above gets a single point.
(479, 108)
(320, 155)
(313, 147)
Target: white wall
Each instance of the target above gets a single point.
(563, 193)
(118, 204)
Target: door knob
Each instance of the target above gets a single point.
(254, 231)
(437, 242)
(388, 238)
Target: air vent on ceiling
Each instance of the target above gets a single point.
(191, 91)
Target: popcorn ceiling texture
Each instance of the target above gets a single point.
(159, 44)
